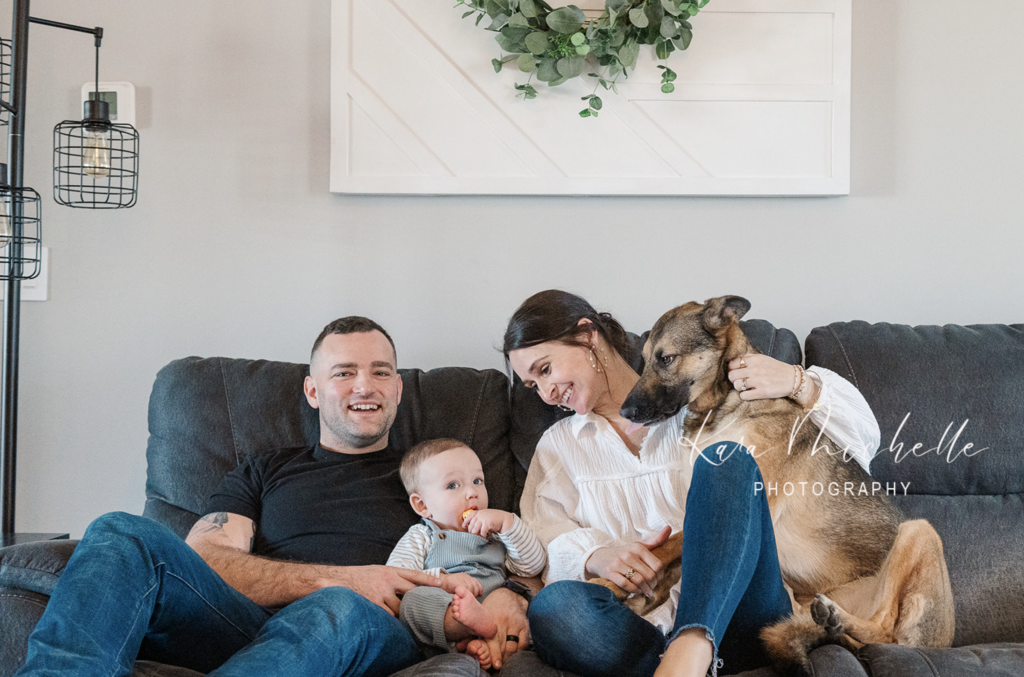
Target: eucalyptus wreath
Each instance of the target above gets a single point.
(555, 45)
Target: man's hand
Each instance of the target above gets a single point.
(380, 584)
(483, 522)
(509, 612)
(451, 581)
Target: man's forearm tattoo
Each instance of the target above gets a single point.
(213, 522)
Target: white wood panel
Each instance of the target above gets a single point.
(761, 107)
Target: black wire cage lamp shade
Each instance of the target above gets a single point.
(20, 231)
(95, 161)
(6, 53)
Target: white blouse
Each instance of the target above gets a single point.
(585, 490)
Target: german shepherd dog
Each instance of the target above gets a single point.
(858, 572)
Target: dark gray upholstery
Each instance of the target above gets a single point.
(943, 377)
(208, 414)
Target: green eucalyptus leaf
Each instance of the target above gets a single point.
(537, 42)
(663, 48)
(546, 71)
(467, 14)
(595, 103)
(669, 29)
(655, 13)
(671, 7)
(638, 18)
(566, 20)
(628, 53)
(498, 22)
(571, 66)
(555, 83)
(685, 36)
(512, 39)
(493, 9)
(519, 20)
(583, 50)
(527, 63)
(528, 8)
(585, 113)
(577, 39)
(497, 65)
(668, 88)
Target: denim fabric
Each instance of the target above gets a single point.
(731, 585)
(132, 588)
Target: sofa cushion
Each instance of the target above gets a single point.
(207, 414)
(20, 610)
(948, 378)
(989, 660)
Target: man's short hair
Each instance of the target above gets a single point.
(414, 458)
(353, 324)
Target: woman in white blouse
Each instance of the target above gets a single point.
(599, 496)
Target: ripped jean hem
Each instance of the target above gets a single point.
(716, 662)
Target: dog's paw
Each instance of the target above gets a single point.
(826, 614)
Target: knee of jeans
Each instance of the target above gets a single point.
(336, 609)
(117, 524)
(727, 464)
(566, 604)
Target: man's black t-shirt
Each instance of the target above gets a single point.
(318, 506)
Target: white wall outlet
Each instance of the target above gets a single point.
(120, 96)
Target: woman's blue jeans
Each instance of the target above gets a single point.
(731, 585)
(134, 588)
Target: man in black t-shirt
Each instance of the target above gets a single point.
(282, 576)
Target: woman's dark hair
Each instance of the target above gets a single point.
(554, 315)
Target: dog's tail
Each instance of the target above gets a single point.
(791, 640)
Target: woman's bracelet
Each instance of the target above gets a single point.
(817, 396)
(799, 382)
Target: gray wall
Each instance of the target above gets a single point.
(237, 248)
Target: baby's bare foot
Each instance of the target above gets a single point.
(472, 614)
(478, 648)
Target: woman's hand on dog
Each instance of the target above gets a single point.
(614, 562)
(764, 377)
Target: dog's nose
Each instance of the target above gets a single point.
(629, 411)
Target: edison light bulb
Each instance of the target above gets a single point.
(96, 156)
(5, 225)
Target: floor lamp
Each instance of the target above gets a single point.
(95, 167)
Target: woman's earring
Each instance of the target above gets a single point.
(593, 361)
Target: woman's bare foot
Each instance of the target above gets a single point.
(479, 649)
(472, 614)
(689, 655)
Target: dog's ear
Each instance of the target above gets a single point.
(722, 311)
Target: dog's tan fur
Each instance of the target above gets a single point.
(858, 572)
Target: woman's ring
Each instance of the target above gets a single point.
(630, 572)
(743, 363)
(512, 638)
(743, 386)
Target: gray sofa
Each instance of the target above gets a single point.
(206, 414)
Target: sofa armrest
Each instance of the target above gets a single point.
(34, 566)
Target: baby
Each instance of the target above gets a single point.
(463, 542)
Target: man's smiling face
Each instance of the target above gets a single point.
(354, 382)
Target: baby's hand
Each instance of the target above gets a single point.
(483, 522)
(451, 581)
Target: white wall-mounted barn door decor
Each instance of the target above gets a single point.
(761, 107)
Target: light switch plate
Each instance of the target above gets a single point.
(120, 96)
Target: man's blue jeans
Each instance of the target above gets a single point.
(134, 588)
(731, 585)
